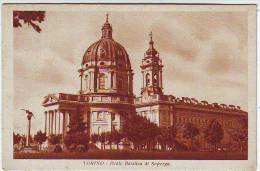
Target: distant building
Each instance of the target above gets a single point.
(106, 95)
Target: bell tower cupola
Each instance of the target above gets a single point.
(151, 69)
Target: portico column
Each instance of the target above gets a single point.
(49, 127)
(45, 128)
(52, 114)
(67, 121)
(55, 114)
(63, 124)
(59, 122)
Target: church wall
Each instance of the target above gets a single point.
(105, 119)
(201, 119)
(162, 115)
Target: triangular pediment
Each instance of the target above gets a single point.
(51, 98)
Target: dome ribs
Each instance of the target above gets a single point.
(113, 51)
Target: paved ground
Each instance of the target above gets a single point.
(109, 154)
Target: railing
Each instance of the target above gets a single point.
(95, 99)
(194, 102)
(185, 101)
(150, 99)
(109, 99)
(71, 97)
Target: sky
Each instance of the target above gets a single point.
(204, 55)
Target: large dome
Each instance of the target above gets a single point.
(107, 49)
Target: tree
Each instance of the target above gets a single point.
(190, 131)
(28, 17)
(23, 140)
(77, 136)
(240, 134)
(94, 138)
(116, 137)
(16, 138)
(166, 137)
(151, 131)
(214, 133)
(40, 138)
(109, 138)
(171, 135)
(102, 139)
(55, 139)
(140, 131)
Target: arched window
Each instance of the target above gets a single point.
(101, 81)
(120, 83)
(155, 79)
(147, 79)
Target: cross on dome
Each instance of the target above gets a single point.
(151, 40)
(151, 51)
(107, 29)
(107, 15)
(151, 35)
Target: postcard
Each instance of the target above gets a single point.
(129, 86)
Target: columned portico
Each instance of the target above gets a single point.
(56, 122)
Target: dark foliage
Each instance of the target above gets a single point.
(57, 148)
(116, 137)
(55, 139)
(77, 134)
(141, 132)
(190, 131)
(29, 18)
(240, 135)
(179, 146)
(167, 137)
(94, 138)
(214, 133)
(16, 138)
(40, 137)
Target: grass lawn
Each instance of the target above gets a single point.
(159, 155)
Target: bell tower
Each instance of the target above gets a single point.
(151, 69)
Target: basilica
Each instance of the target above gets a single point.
(105, 98)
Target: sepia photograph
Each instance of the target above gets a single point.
(131, 83)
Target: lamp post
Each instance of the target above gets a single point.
(29, 117)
